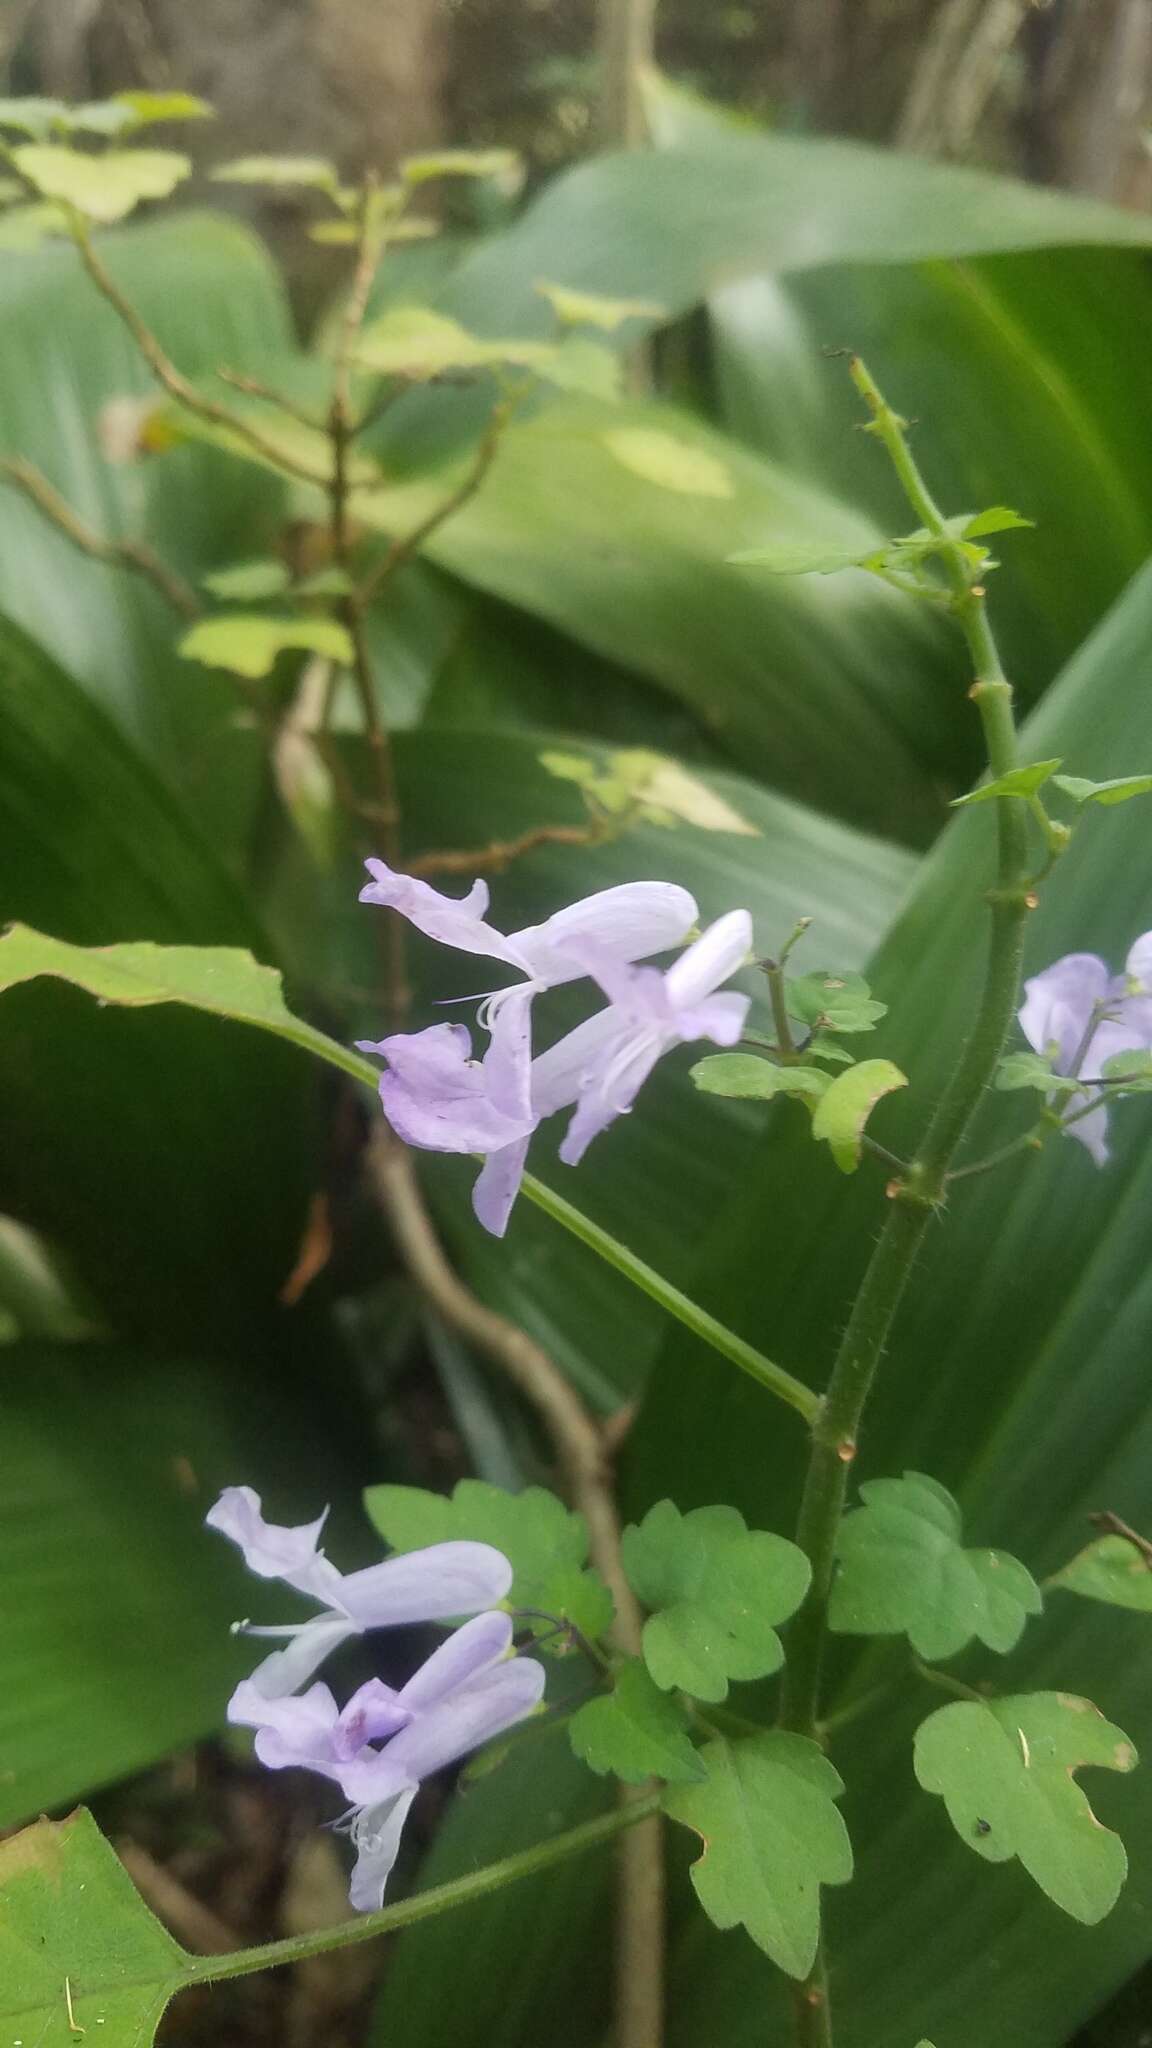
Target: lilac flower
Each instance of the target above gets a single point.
(627, 922)
(467, 1692)
(1080, 1015)
(603, 1064)
(436, 1584)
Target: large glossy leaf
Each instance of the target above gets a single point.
(1018, 1375)
(210, 293)
(167, 1155)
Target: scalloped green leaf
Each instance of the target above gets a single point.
(1018, 782)
(544, 1542)
(1005, 1770)
(1032, 1070)
(249, 643)
(1112, 1569)
(903, 1571)
(772, 1836)
(106, 187)
(833, 1002)
(636, 1733)
(845, 1107)
(743, 1074)
(715, 1588)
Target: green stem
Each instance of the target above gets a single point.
(778, 1381)
(916, 1196)
(461, 1891)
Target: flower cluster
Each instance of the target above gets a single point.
(384, 1742)
(437, 1096)
(1080, 1015)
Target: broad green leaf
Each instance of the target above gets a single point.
(1018, 782)
(715, 1587)
(846, 1105)
(1113, 1569)
(1005, 1771)
(502, 164)
(414, 342)
(589, 309)
(278, 170)
(546, 1545)
(903, 1571)
(1116, 791)
(104, 187)
(78, 1947)
(772, 1836)
(637, 1732)
(669, 463)
(249, 643)
(743, 1074)
(33, 116)
(1032, 1070)
(833, 1002)
(249, 581)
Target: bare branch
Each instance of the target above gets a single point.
(121, 554)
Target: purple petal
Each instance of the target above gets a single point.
(291, 1733)
(508, 1061)
(1058, 1005)
(629, 922)
(454, 920)
(434, 1584)
(714, 956)
(1138, 965)
(611, 1089)
(468, 1650)
(559, 1074)
(478, 1710)
(435, 1095)
(285, 1671)
(270, 1550)
(498, 1185)
(373, 1713)
(376, 1834)
(720, 1018)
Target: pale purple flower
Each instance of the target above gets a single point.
(467, 1692)
(627, 923)
(1079, 1014)
(604, 1062)
(436, 1584)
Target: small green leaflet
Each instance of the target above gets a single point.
(1005, 1772)
(417, 343)
(1130, 1072)
(833, 1002)
(906, 551)
(248, 643)
(1018, 782)
(1115, 792)
(669, 462)
(903, 1572)
(1031, 1070)
(743, 1074)
(545, 1544)
(248, 582)
(279, 170)
(637, 784)
(637, 1732)
(714, 1588)
(772, 1836)
(104, 187)
(71, 1916)
(503, 164)
(845, 1107)
(801, 558)
(997, 519)
(1113, 1569)
(588, 309)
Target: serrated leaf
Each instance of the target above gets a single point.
(70, 1916)
(903, 1571)
(248, 581)
(589, 309)
(503, 164)
(714, 1588)
(1019, 782)
(997, 519)
(1005, 1772)
(1112, 1569)
(772, 1836)
(743, 1074)
(104, 187)
(278, 170)
(543, 1541)
(248, 643)
(1117, 791)
(667, 461)
(637, 1732)
(1031, 1070)
(833, 1002)
(845, 1107)
(415, 342)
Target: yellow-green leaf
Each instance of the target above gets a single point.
(248, 643)
(415, 342)
(1113, 1569)
(278, 170)
(843, 1111)
(104, 187)
(502, 164)
(588, 309)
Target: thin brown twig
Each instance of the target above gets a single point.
(164, 369)
(581, 1452)
(1113, 1526)
(123, 554)
(500, 854)
(406, 545)
(254, 387)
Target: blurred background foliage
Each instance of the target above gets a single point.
(194, 1288)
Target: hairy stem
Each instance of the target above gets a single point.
(915, 1196)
